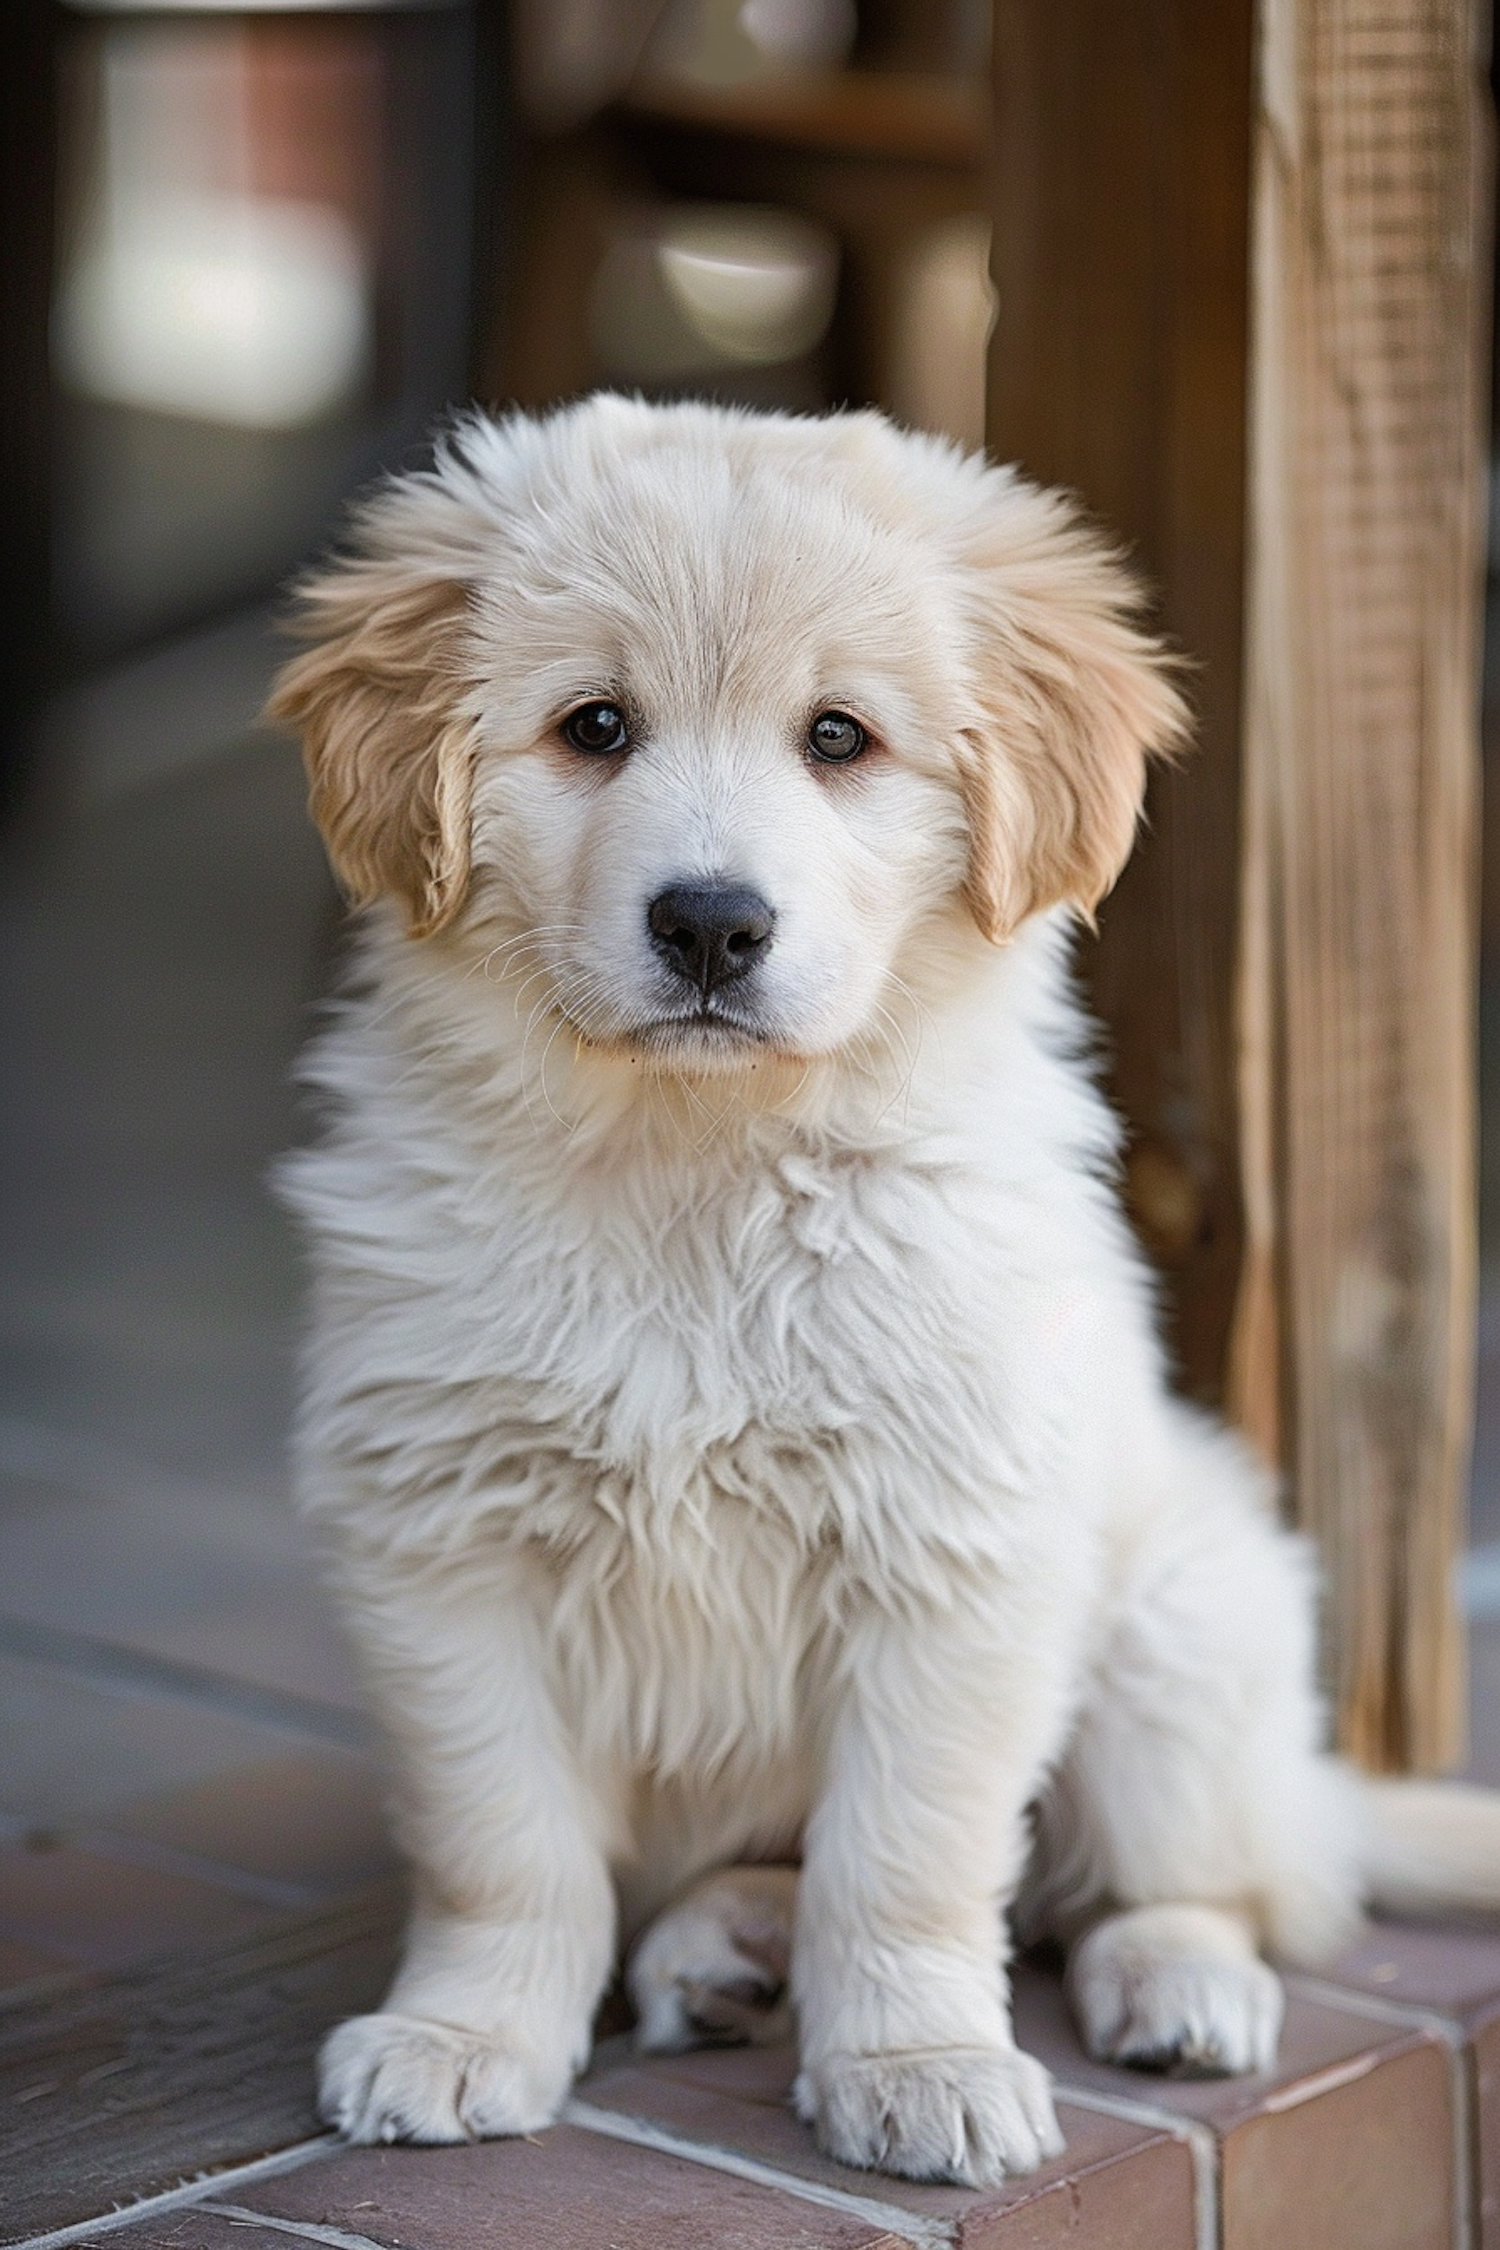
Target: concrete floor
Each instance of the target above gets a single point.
(171, 1680)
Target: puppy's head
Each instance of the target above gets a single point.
(701, 717)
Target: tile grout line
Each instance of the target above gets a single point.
(122, 1670)
(155, 1858)
(1201, 2141)
(337, 2238)
(1409, 2015)
(187, 2192)
(619, 2125)
(1354, 2001)
(195, 1867)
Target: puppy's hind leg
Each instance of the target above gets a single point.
(712, 1968)
(1195, 1818)
(1180, 1989)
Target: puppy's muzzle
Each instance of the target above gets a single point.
(710, 934)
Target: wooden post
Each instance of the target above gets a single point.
(1286, 970)
(1355, 1332)
(1120, 200)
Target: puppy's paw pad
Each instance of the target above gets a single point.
(711, 1971)
(745, 2011)
(971, 2115)
(1187, 2014)
(396, 2078)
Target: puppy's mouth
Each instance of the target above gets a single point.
(712, 1029)
(709, 1031)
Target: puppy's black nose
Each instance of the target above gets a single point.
(710, 933)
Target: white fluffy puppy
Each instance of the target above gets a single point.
(733, 1406)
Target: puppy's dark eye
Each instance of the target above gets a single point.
(835, 738)
(597, 729)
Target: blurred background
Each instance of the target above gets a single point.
(250, 253)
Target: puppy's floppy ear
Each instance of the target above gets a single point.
(380, 704)
(1073, 697)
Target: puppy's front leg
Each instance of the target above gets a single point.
(915, 1845)
(512, 1933)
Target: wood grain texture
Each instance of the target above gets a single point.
(1120, 198)
(113, 2090)
(1353, 1341)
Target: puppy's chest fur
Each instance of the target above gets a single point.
(707, 1409)
(664, 1346)
(799, 1336)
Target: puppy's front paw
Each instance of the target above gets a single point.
(973, 2115)
(1178, 1990)
(396, 2078)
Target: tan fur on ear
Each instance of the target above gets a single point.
(389, 750)
(1074, 697)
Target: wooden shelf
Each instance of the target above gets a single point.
(904, 115)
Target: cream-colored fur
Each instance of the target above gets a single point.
(740, 1433)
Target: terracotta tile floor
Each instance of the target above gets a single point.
(1378, 2129)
